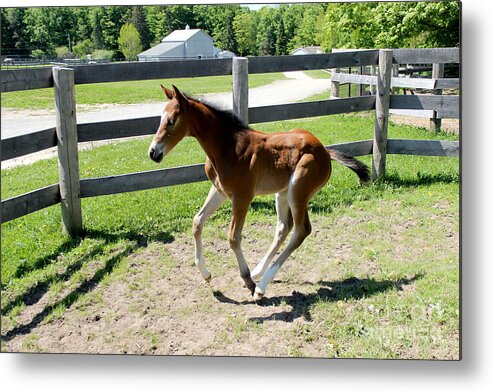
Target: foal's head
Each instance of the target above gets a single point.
(173, 127)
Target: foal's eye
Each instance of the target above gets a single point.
(171, 121)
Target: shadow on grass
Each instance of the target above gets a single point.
(72, 243)
(352, 288)
(421, 179)
(129, 241)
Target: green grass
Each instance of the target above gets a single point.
(317, 74)
(367, 317)
(145, 91)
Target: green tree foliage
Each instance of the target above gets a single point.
(84, 25)
(162, 20)
(14, 41)
(101, 54)
(266, 40)
(267, 31)
(291, 17)
(310, 27)
(97, 30)
(349, 26)
(129, 42)
(138, 19)
(217, 21)
(112, 20)
(281, 36)
(245, 28)
(391, 25)
(83, 48)
(417, 24)
(63, 52)
(50, 27)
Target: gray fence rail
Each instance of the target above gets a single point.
(15, 80)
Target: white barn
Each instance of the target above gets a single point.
(182, 45)
(307, 50)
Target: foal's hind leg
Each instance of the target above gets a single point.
(284, 226)
(214, 200)
(302, 229)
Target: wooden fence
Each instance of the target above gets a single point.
(67, 133)
(436, 83)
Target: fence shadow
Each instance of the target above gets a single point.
(421, 179)
(33, 294)
(329, 291)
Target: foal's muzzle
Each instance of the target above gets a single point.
(156, 154)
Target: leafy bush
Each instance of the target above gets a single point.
(83, 48)
(39, 54)
(101, 54)
(62, 52)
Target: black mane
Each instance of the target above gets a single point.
(225, 115)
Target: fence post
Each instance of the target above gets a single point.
(362, 87)
(68, 161)
(240, 87)
(395, 74)
(382, 104)
(438, 71)
(373, 72)
(334, 86)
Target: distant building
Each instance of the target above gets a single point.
(307, 50)
(225, 54)
(182, 45)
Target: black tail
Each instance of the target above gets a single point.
(358, 167)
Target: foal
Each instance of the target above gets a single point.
(242, 163)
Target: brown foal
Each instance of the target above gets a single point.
(242, 163)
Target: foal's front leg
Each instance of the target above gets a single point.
(240, 206)
(214, 200)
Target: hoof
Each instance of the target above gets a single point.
(258, 294)
(208, 279)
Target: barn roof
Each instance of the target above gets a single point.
(161, 48)
(182, 35)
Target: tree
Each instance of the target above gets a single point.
(112, 20)
(162, 20)
(50, 27)
(291, 16)
(310, 27)
(138, 19)
(97, 30)
(84, 23)
(349, 26)
(416, 24)
(266, 40)
(245, 29)
(217, 21)
(391, 25)
(14, 38)
(129, 42)
(281, 37)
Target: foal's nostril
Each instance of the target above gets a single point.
(155, 155)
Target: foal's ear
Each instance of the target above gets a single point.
(167, 92)
(181, 98)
